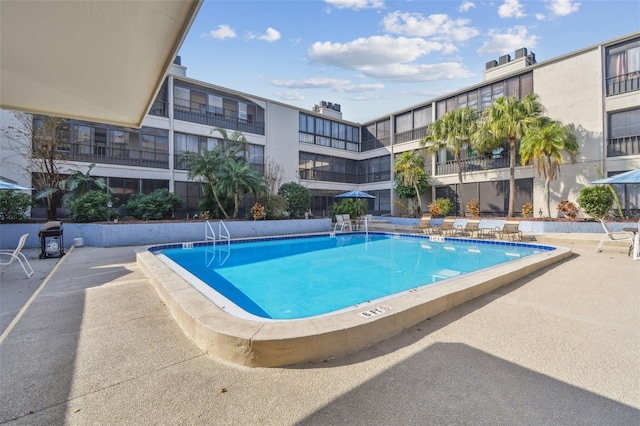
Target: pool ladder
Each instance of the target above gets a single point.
(223, 235)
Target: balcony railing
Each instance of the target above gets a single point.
(218, 120)
(372, 144)
(411, 135)
(486, 162)
(161, 109)
(113, 155)
(623, 83)
(629, 145)
(327, 176)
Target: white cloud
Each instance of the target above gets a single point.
(466, 6)
(223, 31)
(372, 51)
(418, 72)
(311, 83)
(270, 36)
(511, 9)
(356, 4)
(513, 39)
(540, 16)
(437, 26)
(563, 7)
(290, 96)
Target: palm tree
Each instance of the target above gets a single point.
(511, 119)
(410, 165)
(453, 131)
(208, 166)
(545, 146)
(233, 145)
(238, 177)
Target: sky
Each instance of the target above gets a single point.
(376, 57)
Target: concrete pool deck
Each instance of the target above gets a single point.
(97, 346)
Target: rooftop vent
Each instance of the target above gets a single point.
(504, 59)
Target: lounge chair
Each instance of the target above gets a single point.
(343, 221)
(446, 228)
(472, 225)
(511, 230)
(424, 226)
(19, 256)
(613, 236)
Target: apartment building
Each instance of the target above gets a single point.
(597, 89)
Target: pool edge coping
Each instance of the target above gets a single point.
(281, 343)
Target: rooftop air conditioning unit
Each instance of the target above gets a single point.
(504, 59)
(491, 64)
(521, 53)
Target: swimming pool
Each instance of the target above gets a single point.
(283, 279)
(262, 342)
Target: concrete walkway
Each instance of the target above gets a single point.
(97, 346)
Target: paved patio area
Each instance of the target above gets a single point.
(87, 340)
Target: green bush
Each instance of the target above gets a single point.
(596, 201)
(13, 205)
(298, 197)
(160, 204)
(90, 207)
(440, 207)
(354, 208)
(275, 206)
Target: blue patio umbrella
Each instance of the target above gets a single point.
(11, 185)
(632, 176)
(355, 194)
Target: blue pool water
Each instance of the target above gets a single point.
(305, 277)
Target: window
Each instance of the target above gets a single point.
(182, 97)
(404, 122)
(625, 123)
(623, 67)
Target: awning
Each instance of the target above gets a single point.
(101, 61)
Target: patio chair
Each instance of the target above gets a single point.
(511, 230)
(343, 221)
(446, 228)
(424, 226)
(19, 256)
(472, 225)
(613, 236)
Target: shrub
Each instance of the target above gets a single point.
(596, 201)
(527, 209)
(13, 205)
(440, 207)
(160, 204)
(568, 209)
(257, 211)
(473, 206)
(353, 208)
(275, 206)
(298, 197)
(90, 207)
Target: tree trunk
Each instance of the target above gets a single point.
(215, 196)
(418, 197)
(512, 176)
(546, 188)
(461, 189)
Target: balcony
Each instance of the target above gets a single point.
(486, 162)
(327, 176)
(113, 155)
(372, 144)
(160, 109)
(629, 145)
(411, 135)
(623, 83)
(217, 120)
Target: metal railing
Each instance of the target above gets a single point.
(623, 83)
(372, 144)
(487, 162)
(410, 135)
(217, 120)
(113, 155)
(629, 145)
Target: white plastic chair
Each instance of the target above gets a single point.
(19, 256)
(343, 221)
(613, 236)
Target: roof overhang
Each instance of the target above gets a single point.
(101, 61)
